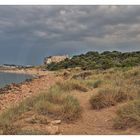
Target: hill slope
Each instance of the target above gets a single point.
(95, 60)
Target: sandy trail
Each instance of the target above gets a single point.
(93, 122)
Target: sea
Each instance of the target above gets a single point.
(8, 78)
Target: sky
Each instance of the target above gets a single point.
(29, 33)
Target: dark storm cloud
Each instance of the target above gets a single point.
(47, 30)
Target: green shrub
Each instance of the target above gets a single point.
(95, 60)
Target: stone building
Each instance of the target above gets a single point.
(56, 58)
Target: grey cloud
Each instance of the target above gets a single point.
(70, 29)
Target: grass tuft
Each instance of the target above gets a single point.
(109, 97)
(94, 83)
(128, 115)
(68, 86)
(54, 102)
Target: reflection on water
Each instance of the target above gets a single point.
(8, 78)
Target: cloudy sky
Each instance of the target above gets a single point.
(28, 33)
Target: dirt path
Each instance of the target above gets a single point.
(92, 122)
(17, 94)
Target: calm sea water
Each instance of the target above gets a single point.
(8, 78)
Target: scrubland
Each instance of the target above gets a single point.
(85, 101)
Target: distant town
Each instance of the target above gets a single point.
(13, 66)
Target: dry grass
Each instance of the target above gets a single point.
(82, 75)
(71, 109)
(54, 103)
(9, 129)
(109, 97)
(113, 87)
(128, 115)
(17, 130)
(70, 85)
(32, 132)
(94, 83)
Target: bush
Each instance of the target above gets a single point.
(109, 97)
(128, 115)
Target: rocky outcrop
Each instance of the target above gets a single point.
(58, 58)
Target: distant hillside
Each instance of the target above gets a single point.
(95, 60)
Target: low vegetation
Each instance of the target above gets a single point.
(95, 60)
(117, 87)
(112, 87)
(70, 85)
(82, 75)
(54, 103)
(94, 83)
(110, 97)
(128, 115)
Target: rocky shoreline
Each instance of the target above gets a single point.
(24, 71)
(14, 93)
(15, 86)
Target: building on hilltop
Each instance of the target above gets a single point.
(56, 59)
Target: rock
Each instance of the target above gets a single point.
(52, 130)
(56, 122)
(37, 119)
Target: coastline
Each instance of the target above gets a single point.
(33, 72)
(14, 93)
